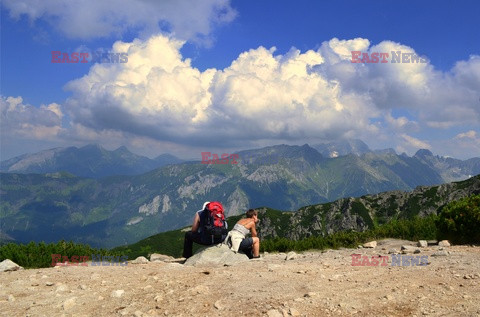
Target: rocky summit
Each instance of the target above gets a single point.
(346, 282)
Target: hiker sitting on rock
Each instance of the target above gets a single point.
(209, 227)
(237, 240)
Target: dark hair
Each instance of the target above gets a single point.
(251, 212)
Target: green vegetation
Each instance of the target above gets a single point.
(385, 211)
(37, 255)
(412, 229)
(168, 243)
(360, 209)
(459, 221)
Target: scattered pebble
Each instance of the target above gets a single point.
(274, 313)
(291, 256)
(118, 293)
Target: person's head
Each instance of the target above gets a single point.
(252, 213)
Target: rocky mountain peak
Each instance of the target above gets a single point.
(423, 153)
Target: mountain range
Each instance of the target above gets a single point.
(89, 161)
(118, 210)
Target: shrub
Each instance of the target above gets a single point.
(37, 255)
(459, 221)
(409, 229)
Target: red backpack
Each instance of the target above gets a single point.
(215, 226)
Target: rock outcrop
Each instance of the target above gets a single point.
(217, 255)
(360, 214)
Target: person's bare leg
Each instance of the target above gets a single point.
(256, 247)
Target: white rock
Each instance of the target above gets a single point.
(291, 256)
(274, 313)
(409, 249)
(8, 265)
(218, 305)
(61, 288)
(118, 293)
(214, 256)
(140, 260)
(160, 258)
(422, 243)
(371, 244)
(444, 243)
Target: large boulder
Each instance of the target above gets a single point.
(216, 255)
(9, 265)
(156, 257)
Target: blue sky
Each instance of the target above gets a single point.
(260, 72)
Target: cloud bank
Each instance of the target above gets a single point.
(269, 98)
(26, 121)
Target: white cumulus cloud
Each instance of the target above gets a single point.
(260, 96)
(263, 98)
(19, 119)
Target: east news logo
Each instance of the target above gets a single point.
(59, 57)
(382, 57)
(382, 260)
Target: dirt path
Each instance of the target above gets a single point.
(312, 284)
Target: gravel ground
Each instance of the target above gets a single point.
(310, 284)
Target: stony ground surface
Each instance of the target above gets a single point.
(311, 284)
